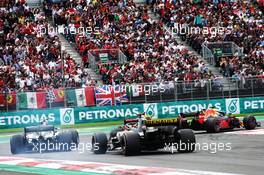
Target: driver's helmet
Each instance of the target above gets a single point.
(213, 108)
(212, 111)
(44, 122)
(203, 111)
(141, 115)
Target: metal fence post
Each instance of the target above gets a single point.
(65, 97)
(160, 96)
(6, 102)
(237, 88)
(192, 91)
(130, 98)
(176, 90)
(184, 86)
(229, 88)
(17, 102)
(207, 90)
(252, 89)
(49, 99)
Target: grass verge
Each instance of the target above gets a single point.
(108, 123)
(44, 171)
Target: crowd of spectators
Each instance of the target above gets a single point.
(241, 21)
(153, 54)
(31, 60)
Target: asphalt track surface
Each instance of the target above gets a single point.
(245, 157)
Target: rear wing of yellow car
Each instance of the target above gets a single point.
(162, 122)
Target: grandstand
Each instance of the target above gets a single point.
(123, 44)
(242, 22)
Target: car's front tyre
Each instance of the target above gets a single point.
(250, 122)
(212, 125)
(99, 143)
(17, 144)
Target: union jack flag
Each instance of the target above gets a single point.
(110, 95)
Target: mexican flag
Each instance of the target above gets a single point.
(32, 100)
(135, 90)
(80, 97)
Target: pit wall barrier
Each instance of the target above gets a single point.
(71, 116)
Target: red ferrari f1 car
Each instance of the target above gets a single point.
(214, 121)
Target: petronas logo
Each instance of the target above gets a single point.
(233, 106)
(67, 116)
(151, 110)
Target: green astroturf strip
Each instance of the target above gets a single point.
(44, 171)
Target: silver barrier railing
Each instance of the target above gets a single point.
(207, 54)
(92, 61)
(140, 93)
(210, 50)
(121, 57)
(105, 56)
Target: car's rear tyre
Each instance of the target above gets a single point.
(212, 126)
(99, 143)
(17, 144)
(250, 122)
(75, 136)
(185, 140)
(131, 144)
(64, 141)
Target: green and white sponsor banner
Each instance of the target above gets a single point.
(251, 105)
(173, 109)
(71, 116)
(28, 118)
(229, 105)
(106, 113)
